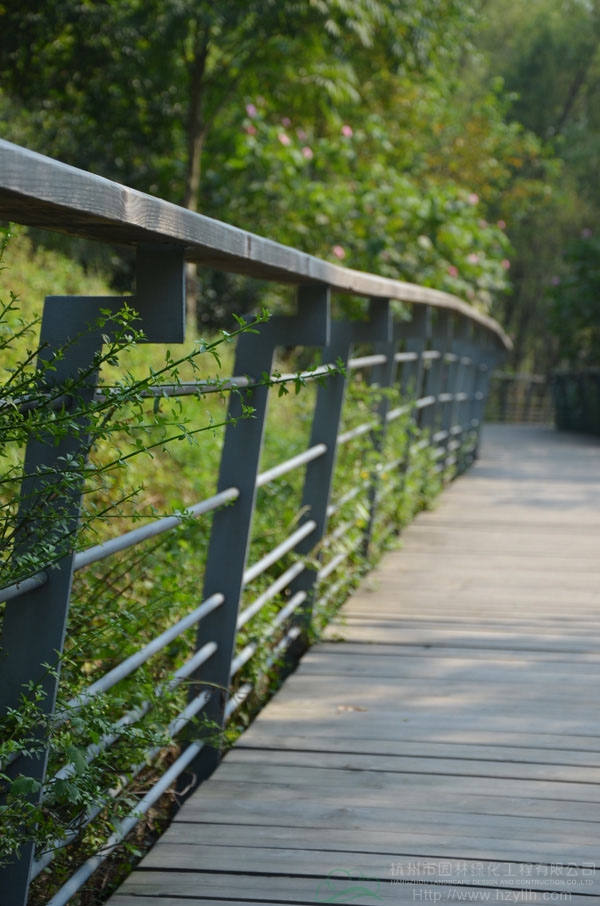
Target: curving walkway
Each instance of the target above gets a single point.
(444, 744)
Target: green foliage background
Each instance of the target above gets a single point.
(447, 142)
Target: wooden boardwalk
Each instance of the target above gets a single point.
(449, 747)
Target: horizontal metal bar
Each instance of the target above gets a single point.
(333, 590)
(285, 642)
(185, 388)
(125, 826)
(29, 403)
(158, 527)
(356, 432)
(343, 555)
(282, 582)
(189, 712)
(249, 650)
(243, 657)
(339, 532)
(393, 414)
(22, 587)
(406, 357)
(445, 397)
(289, 544)
(140, 657)
(331, 566)
(367, 360)
(461, 397)
(176, 725)
(304, 376)
(237, 699)
(465, 360)
(199, 657)
(480, 395)
(290, 464)
(522, 377)
(348, 497)
(431, 354)
(450, 357)
(390, 466)
(425, 401)
(290, 608)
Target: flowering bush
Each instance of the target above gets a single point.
(342, 196)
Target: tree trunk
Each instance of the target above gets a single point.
(196, 135)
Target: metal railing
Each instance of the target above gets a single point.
(519, 399)
(576, 397)
(434, 365)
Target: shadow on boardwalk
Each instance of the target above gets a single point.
(449, 747)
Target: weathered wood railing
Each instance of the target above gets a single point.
(435, 362)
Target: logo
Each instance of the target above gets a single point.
(344, 885)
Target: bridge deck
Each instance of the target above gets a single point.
(449, 747)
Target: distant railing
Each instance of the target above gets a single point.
(576, 396)
(520, 399)
(433, 364)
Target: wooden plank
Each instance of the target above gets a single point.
(473, 655)
(379, 784)
(412, 867)
(400, 764)
(259, 739)
(422, 834)
(393, 633)
(274, 889)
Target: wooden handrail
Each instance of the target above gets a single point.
(38, 191)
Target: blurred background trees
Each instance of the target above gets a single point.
(448, 142)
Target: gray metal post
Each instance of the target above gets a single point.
(463, 348)
(412, 381)
(382, 377)
(487, 356)
(325, 427)
(34, 624)
(230, 534)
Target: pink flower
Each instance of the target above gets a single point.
(347, 131)
(251, 130)
(286, 121)
(473, 198)
(473, 258)
(501, 225)
(453, 271)
(555, 280)
(586, 233)
(251, 110)
(338, 251)
(301, 135)
(483, 224)
(307, 153)
(505, 264)
(283, 138)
